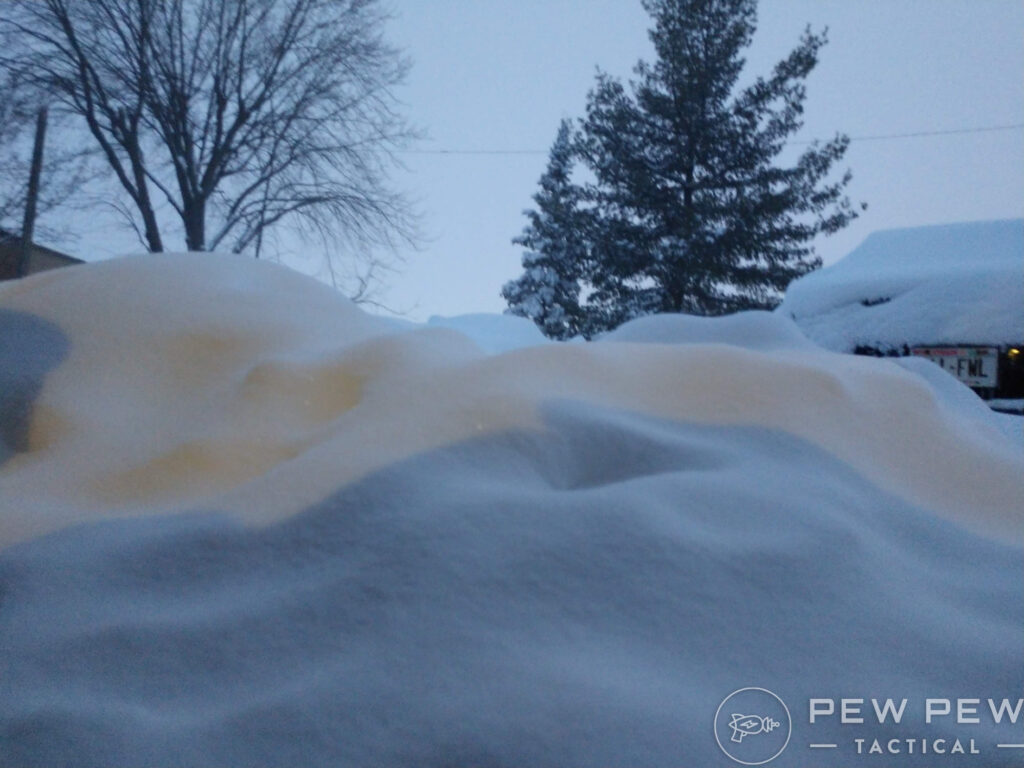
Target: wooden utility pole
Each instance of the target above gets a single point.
(33, 193)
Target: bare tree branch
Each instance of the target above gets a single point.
(244, 115)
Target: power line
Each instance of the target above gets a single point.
(920, 134)
(877, 137)
(474, 152)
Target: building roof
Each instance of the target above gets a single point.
(8, 238)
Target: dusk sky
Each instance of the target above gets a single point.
(491, 79)
(500, 74)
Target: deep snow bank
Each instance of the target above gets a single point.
(280, 530)
(945, 284)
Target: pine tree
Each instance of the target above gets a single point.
(548, 291)
(687, 210)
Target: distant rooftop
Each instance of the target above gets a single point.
(41, 258)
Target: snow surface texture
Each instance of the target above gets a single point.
(246, 523)
(949, 284)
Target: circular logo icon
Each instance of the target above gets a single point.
(752, 726)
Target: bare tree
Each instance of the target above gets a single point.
(65, 169)
(13, 165)
(239, 114)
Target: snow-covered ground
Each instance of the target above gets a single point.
(946, 284)
(244, 523)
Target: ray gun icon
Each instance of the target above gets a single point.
(751, 725)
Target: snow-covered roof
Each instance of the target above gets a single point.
(242, 522)
(946, 284)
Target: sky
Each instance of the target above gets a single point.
(491, 79)
(500, 75)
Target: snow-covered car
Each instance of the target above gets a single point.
(952, 294)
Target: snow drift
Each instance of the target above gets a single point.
(947, 284)
(246, 523)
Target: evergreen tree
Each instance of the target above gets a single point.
(548, 291)
(687, 210)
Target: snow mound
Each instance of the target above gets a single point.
(950, 284)
(246, 523)
(749, 330)
(493, 333)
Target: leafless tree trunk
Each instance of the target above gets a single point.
(240, 114)
(32, 196)
(63, 169)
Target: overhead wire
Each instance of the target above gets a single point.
(876, 137)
